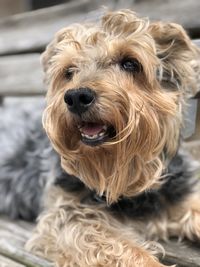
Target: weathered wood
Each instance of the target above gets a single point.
(20, 229)
(21, 75)
(185, 13)
(13, 236)
(32, 31)
(182, 254)
(9, 248)
(5, 262)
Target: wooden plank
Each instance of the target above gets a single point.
(20, 229)
(13, 235)
(182, 254)
(32, 31)
(21, 75)
(185, 13)
(9, 248)
(5, 262)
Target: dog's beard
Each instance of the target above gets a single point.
(116, 151)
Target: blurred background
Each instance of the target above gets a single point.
(11, 7)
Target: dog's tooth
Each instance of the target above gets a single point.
(93, 136)
(105, 127)
(101, 134)
(90, 136)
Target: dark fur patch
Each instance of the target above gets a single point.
(179, 182)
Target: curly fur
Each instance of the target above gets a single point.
(138, 185)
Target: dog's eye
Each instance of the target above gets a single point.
(131, 65)
(69, 74)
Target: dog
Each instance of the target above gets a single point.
(117, 176)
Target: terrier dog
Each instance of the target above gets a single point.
(117, 94)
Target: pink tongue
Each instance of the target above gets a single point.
(92, 128)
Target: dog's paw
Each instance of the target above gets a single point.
(191, 225)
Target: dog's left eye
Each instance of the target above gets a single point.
(131, 65)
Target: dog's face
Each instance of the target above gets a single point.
(115, 98)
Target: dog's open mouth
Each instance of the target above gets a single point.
(94, 134)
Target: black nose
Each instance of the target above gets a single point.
(79, 100)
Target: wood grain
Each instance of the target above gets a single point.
(13, 236)
(182, 253)
(31, 31)
(5, 262)
(21, 75)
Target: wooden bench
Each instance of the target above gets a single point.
(23, 37)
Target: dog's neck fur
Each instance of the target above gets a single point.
(149, 203)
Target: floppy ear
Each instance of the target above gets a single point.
(65, 40)
(62, 40)
(179, 57)
(51, 50)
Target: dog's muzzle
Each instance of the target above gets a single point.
(93, 132)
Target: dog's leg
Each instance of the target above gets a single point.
(73, 234)
(181, 220)
(185, 218)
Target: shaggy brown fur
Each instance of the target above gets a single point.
(144, 106)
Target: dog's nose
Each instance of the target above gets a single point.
(79, 100)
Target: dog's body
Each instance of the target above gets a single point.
(115, 104)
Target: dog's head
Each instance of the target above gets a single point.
(116, 91)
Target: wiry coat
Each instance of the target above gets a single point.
(126, 182)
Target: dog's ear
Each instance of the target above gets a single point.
(66, 41)
(51, 49)
(61, 42)
(179, 57)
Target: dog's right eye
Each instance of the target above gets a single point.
(131, 65)
(69, 74)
